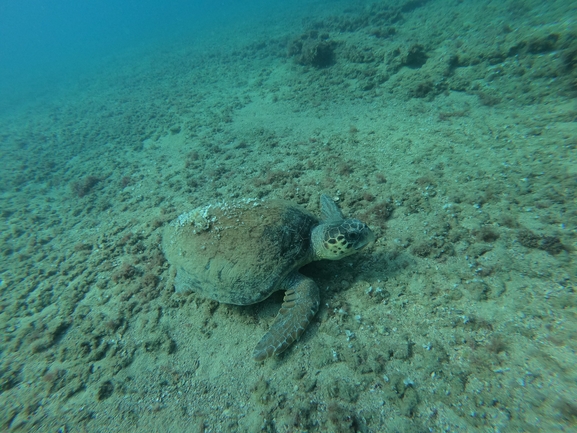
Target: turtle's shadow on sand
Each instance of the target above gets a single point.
(337, 276)
(334, 278)
(341, 275)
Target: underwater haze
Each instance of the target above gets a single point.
(163, 162)
(44, 45)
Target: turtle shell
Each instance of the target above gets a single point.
(240, 252)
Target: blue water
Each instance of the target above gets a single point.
(448, 127)
(45, 44)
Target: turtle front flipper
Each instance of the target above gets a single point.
(300, 304)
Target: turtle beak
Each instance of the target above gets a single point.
(366, 237)
(360, 235)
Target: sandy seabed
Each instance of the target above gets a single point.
(453, 137)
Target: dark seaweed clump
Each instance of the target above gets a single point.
(84, 186)
(551, 244)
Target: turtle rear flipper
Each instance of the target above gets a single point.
(300, 304)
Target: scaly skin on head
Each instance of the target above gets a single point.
(335, 240)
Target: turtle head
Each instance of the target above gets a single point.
(336, 237)
(335, 240)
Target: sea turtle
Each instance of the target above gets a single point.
(243, 251)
